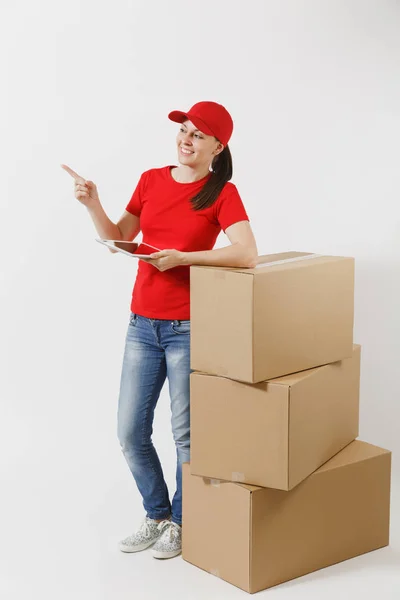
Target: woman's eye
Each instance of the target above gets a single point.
(195, 134)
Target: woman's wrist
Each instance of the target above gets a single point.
(185, 258)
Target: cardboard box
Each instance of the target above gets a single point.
(273, 434)
(294, 311)
(256, 538)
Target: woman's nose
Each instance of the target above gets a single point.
(186, 138)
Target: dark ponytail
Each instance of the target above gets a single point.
(221, 173)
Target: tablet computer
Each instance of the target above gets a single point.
(137, 250)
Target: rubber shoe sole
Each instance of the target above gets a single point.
(126, 548)
(160, 555)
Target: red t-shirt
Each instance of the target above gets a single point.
(167, 221)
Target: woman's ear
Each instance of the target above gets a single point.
(218, 149)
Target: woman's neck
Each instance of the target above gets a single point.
(183, 174)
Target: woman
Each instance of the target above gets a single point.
(182, 209)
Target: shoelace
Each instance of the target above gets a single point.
(143, 530)
(173, 529)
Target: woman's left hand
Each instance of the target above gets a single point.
(167, 259)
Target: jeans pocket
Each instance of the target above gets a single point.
(181, 327)
(132, 319)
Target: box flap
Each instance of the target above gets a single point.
(356, 451)
(263, 261)
(292, 379)
(286, 380)
(302, 261)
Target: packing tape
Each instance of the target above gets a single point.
(236, 476)
(287, 260)
(215, 572)
(215, 482)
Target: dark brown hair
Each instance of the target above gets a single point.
(221, 173)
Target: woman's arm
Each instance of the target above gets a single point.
(103, 225)
(241, 253)
(235, 255)
(126, 229)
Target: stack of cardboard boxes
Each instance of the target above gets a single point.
(277, 485)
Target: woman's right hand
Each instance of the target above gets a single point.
(85, 191)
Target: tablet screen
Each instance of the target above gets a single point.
(134, 248)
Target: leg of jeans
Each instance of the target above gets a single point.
(142, 378)
(177, 354)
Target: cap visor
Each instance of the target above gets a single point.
(179, 116)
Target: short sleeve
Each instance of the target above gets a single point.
(135, 204)
(230, 208)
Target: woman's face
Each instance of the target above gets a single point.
(195, 148)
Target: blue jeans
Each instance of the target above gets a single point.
(155, 349)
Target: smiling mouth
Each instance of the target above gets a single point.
(186, 152)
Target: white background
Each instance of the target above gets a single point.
(314, 90)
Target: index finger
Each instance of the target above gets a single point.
(77, 177)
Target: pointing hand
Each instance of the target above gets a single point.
(85, 191)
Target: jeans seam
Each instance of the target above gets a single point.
(147, 453)
(179, 332)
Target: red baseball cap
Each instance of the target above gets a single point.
(209, 117)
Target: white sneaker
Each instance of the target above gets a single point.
(147, 534)
(169, 543)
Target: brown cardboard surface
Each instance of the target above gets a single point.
(324, 415)
(219, 508)
(256, 324)
(338, 512)
(275, 433)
